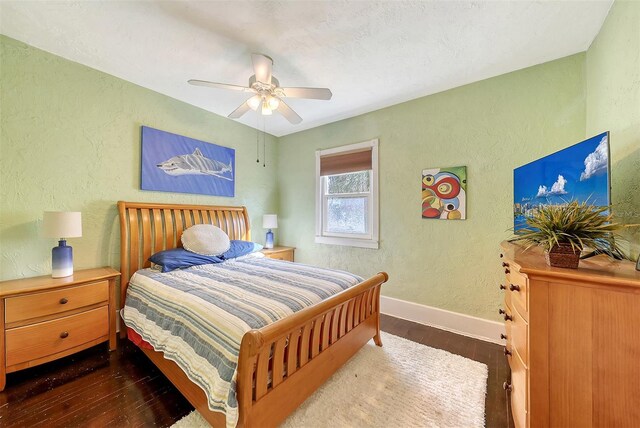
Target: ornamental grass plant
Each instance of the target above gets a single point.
(580, 225)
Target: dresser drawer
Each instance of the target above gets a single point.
(517, 287)
(36, 305)
(507, 296)
(508, 325)
(51, 337)
(518, 390)
(519, 332)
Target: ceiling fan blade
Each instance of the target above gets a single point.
(220, 85)
(309, 93)
(262, 66)
(288, 113)
(244, 107)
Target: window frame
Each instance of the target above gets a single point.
(369, 240)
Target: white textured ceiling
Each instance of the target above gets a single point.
(371, 54)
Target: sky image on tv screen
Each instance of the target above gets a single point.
(577, 173)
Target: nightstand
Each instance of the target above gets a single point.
(280, 253)
(44, 318)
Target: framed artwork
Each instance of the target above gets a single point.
(174, 163)
(578, 173)
(444, 193)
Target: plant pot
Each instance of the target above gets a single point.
(563, 256)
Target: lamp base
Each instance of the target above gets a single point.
(61, 260)
(268, 242)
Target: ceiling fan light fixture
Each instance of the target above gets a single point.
(254, 102)
(273, 102)
(266, 110)
(268, 95)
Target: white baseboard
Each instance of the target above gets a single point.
(454, 322)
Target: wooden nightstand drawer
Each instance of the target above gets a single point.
(44, 318)
(36, 305)
(279, 253)
(288, 256)
(52, 337)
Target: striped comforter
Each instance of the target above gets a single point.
(198, 316)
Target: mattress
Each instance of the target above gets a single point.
(197, 316)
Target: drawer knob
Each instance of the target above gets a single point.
(508, 317)
(505, 264)
(503, 336)
(513, 287)
(507, 352)
(501, 311)
(507, 271)
(64, 301)
(501, 255)
(502, 287)
(64, 335)
(506, 386)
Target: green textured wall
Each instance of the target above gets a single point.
(71, 141)
(613, 103)
(491, 127)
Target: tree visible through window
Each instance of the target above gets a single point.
(348, 202)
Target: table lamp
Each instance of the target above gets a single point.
(62, 225)
(269, 221)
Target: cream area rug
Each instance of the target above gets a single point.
(402, 384)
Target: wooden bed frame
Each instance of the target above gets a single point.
(300, 351)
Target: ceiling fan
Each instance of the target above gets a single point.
(267, 92)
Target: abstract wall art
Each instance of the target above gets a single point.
(444, 192)
(174, 163)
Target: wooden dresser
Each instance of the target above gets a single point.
(44, 318)
(280, 253)
(572, 341)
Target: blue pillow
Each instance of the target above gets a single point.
(179, 258)
(240, 248)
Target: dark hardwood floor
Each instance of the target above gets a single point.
(96, 388)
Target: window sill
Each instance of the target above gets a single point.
(348, 242)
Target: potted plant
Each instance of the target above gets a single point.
(565, 230)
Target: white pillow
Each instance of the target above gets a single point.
(206, 240)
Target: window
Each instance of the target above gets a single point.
(347, 195)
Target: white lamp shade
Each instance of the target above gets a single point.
(58, 224)
(270, 221)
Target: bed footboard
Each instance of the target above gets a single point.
(282, 364)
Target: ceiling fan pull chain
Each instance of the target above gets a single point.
(264, 144)
(258, 139)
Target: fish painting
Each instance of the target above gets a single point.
(176, 163)
(196, 164)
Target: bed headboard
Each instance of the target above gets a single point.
(146, 228)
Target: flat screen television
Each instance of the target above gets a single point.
(580, 172)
